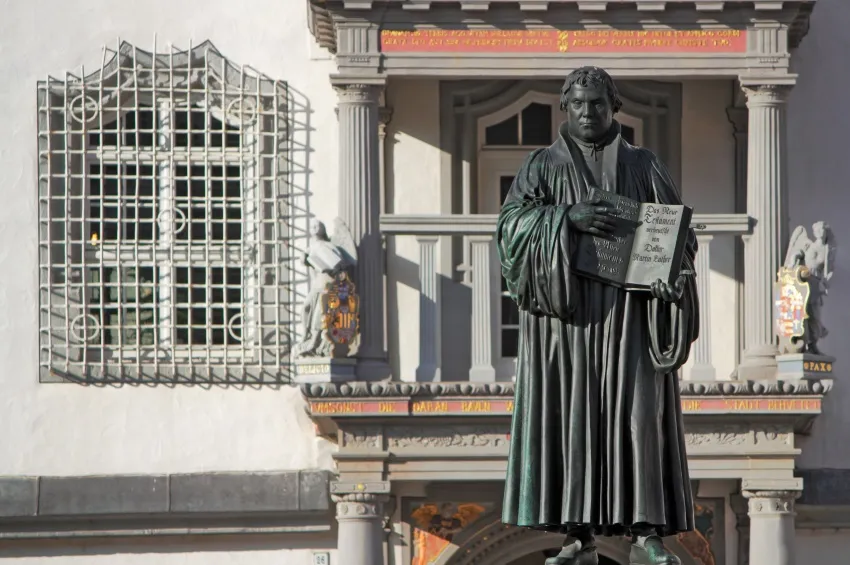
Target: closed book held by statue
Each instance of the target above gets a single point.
(646, 245)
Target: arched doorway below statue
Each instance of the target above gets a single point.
(540, 557)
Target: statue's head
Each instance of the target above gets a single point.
(447, 510)
(819, 229)
(590, 99)
(317, 229)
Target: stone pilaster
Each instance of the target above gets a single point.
(738, 117)
(765, 203)
(360, 538)
(482, 369)
(703, 369)
(742, 524)
(771, 526)
(429, 310)
(360, 207)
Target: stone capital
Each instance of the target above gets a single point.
(767, 502)
(358, 92)
(359, 505)
(766, 95)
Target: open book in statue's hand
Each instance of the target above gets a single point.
(645, 246)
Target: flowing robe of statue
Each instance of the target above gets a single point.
(597, 434)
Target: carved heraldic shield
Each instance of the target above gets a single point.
(791, 298)
(341, 307)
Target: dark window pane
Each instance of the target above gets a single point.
(510, 312)
(190, 127)
(215, 192)
(628, 133)
(123, 204)
(124, 301)
(503, 133)
(537, 124)
(222, 135)
(217, 300)
(505, 183)
(510, 342)
(137, 127)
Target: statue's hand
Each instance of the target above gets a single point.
(668, 292)
(592, 217)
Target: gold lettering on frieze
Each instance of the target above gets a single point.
(430, 406)
(817, 366)
(743, 405)
(313, 369)
(691, 405)
(476, 406)
(386, 408)
(509, 406)
(337, 407)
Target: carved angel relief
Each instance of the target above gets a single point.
(802, 282)
(330, 321)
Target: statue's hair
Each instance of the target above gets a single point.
(591, 77)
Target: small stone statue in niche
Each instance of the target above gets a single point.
(330, 261)
(809, 261)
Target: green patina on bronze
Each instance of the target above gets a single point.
(597, 436)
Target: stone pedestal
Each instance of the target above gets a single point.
(360, 535)
(324, 370)
(765, 202)
(772, 527)
(804, 366)
(360, 208)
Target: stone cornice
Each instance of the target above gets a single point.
(322, 13)
(400, 389)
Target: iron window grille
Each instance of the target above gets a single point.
(164, 227)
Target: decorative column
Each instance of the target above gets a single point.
(703, 369)
(360, 208)
(360, 538)
(482, 369)
(765, 195)
(772, 526)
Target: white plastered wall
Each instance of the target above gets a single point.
(63, 429)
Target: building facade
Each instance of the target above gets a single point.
(160, 190)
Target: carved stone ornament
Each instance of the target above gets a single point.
(407, 437)
(390, 389)
(359, 505)
(358, 93)
(366, 437)
(770, 95)
(330, 313)
(761, 437)
(801, 285)
(771, 501)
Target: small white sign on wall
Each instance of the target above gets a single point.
(323, 558)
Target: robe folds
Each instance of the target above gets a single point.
(597, 436)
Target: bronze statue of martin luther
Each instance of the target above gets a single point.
(597, 445)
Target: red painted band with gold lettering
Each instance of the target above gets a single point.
(563, 41)
(503, 407)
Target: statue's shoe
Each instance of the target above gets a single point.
(575, 554)
(651, 551)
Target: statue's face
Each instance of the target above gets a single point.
(817, 230)
(589, 113)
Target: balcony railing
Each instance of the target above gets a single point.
(477, 261)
